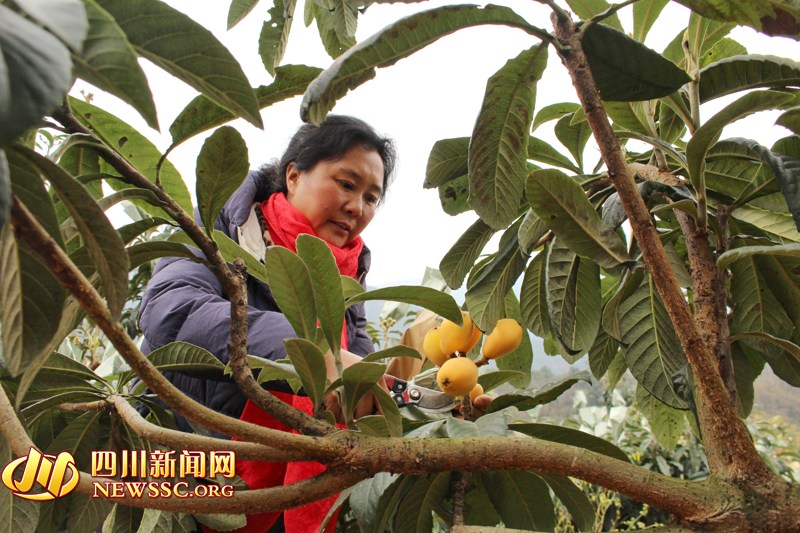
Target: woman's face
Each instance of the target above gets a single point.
(338, 197)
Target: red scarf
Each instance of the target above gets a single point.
(285, 223)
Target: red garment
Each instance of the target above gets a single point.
(285, 223)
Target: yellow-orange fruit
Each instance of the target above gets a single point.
(431, 347)
(455, 338)
(457, 376)
(476, 391)
(504, 339)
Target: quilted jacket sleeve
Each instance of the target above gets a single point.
(184, 302)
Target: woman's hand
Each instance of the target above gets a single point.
(367, 404)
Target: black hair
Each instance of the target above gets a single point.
(328, 142)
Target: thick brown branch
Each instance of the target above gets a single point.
(652, 173)
(231, 283)
(177, 440)
(27, 228)
(99, 405)
(730, 450)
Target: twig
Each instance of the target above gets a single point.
(607, 13)
(459, 490)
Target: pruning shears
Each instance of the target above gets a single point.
(405, 394)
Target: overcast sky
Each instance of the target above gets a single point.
(434, 94)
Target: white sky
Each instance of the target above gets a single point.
(434, 94)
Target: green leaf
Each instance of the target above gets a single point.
(786, 250)
(522, 499)
(782, 275)
(62, 365)
(778, 224)
(394, 420)
(773, 17)
(414, 514)
(528, 399)
(454, 196)
(573, 136)
(437, 301)
(645, 14)
(602, 353)
(222, 166)
(561, 203)
(587, 9)
(123, 519)
(16, 514)
(329, 26)
(533, 297)
(99, 236)
(85, 513)
(275, 34)
(458, 261)
(626, 70)
(752, 71)
(487, 291)
(553, 112)
(109, 62)
(35, 73)
(499, 144)
(238, 10)
(66, 19)
(578, 504)
(5, 189)
(188, 51)
(202, 114)
(448, 160)
(755, 308)
(131, 231)
(391, 44)
(309, 362)
(395, 351)
(184, 357)
(492, 380)
(724, 49)
(136, 149)
(291, 286)
(709, 132)
(230, 252)
(531, 231)
(327, 284)
(540, 151)
(367, 496)
(32, 302)
(142, 253)
(649, 343)
(359, 379)
(667, 424)
(785, 362)
(572, 437)
(521, 359)
(351, 287)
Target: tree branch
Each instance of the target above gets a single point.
(231, 283)
(28, 229)
(730, 449)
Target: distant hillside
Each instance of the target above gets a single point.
(775, 397)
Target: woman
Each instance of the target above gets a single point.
(328, 183)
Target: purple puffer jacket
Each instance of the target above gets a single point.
(185, 302)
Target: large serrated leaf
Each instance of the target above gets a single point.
(785, 361)
(528, 399)
(437, 301)
(230, 252)
(35, 73)
(573, 136)
(275, 34)
(739, 73)
(709, 132)
(498, 147)
(221, 168)
(414, 514)
(142, 253)
(666, 423)
(522, 499)
(327, 284)
(531, 232)
(123, 519)
(202, 114)
(309, 362)
(238, 10)
(367, 495)
(329, 25)
(5, 189)
(773, 17)
(539, 150)
(533, 297)
(391, 44)
(755, 308)
(290, 283)
(109, 62)
(86, 514)
(457, 262)
(625, 70)
(572, 437)
(136, 149)
(449, 159)
(359, 379)
(16, 514)
(578, 504)
(778, 224)
(786, 250)
(573, 298)
(188, 51)
(649, 343)
(66, 19)
(454, 196)
(645, 14)
(563, 206)
(99, 236)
